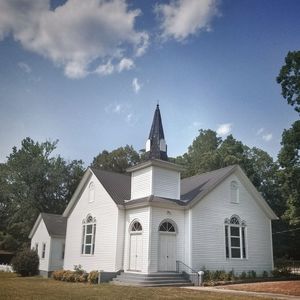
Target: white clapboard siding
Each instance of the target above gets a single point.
(157, 216)
(41, 236)
(104, 209)
(56, 257)
(166, 183)
(208, 237)
(141, 183)
(142, 215)
(120, 240)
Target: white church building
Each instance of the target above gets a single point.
(151, 221)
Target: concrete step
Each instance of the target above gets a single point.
(151, 284)
(164, 280)
(154, 279)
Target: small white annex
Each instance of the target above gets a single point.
(48, 239)
(150, 220)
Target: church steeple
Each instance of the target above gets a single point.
(156, 147)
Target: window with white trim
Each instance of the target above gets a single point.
(234, 192)
(91, 191)
(136, 227)
(167, 227)
(235, 238)
(44, 250)
(37, 248)
(88, 235)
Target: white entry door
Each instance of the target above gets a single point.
(167, 252)
(136, 252)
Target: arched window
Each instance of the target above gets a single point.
(91, 192)
(234, 192)
(88, 235)
(167, 227)
(136, 227)
(235, 238)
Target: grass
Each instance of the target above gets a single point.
(15, 287)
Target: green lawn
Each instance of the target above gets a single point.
(14, 287)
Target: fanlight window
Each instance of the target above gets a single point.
(235, 238)
(136, 226)
(88, 235)
(167, 227)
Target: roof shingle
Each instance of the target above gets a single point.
(55, 224)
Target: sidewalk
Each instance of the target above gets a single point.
(243, 293)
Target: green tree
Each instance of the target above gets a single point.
(33, 181)
(202, 155)
(289, 78)
(289, 159)
(117, 160)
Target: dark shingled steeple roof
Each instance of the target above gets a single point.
(156, 134)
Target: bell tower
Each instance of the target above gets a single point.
(156, 176)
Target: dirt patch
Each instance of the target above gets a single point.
(277, 287)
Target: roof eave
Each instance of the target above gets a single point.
(196, 199)
(35, 226)
(88, 173)
(156, 163)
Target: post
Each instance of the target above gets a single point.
(200, 278)
(177, 266)
(99, 276)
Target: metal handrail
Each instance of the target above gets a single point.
(190, 272)
(181, 262)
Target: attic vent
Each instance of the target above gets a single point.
(91, 191)
(234, 192)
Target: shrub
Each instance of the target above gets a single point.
(231, 275)
(251, 274)
(281, 272)
(78, 269)
(243, 275)
(265, 274)
(93, 277)
(58, 275)
(68, 276)
(26, 262)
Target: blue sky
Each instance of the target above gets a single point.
(90, 73)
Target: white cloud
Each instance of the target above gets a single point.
(75, 34)
(105, 69)
(267, 137)
(117, 108)
(125, 64)
(136, 85)
(129, 118)
(181, 18)
(260, 131)
(224, 129)
(24, 67)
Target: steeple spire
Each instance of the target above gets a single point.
(156, 147)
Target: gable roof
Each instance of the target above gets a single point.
(199, 185)
(193, 189)
(55, 224)
(117, 185)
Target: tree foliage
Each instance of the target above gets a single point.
(33, 181)
(289, 159)
(117, 160)
(289, 78)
